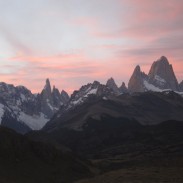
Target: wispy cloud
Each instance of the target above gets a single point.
(18, 46)
(78, 41)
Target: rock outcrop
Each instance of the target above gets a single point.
(51, 100)
(56, 98)
(161, 75)
(46, 100)
(64, 97)
(123, 88)
(136, 82)
(112, 85)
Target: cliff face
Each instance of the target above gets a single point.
(51, 100)
(136, 82)
(162, 75)
(112, 85)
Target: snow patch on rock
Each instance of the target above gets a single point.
(93, 91)
(35, 122)
(79, 101)
(105, 98)
(151, 87)
(160, 80)
(23, 97)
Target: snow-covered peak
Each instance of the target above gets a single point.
(95, 88)
(22, 110)
(85, 92)
(161, 76)
(79, 96)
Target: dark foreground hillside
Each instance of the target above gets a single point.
(26, 161)
(110, 150)
(123, 150)
(147, 155)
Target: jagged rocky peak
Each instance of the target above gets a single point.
(111, 81)
(47, 86)
(91, 89)
(181, 86)
(51, 100)
(19, 109)
(100, 90)
(85, 90)
(15, 95)
(64, 97)
(46, 100)
(25, 93)
(137, 69)
(56, 97)
(46, 92)
(22, 111)
(161, 75)
(123, 88)
(96, 84)
(6, 88)
(60, 98)
(112, 85)
(136, 82)
(55, 91)
(163, 59)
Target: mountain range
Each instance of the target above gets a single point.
(23, 111)
(161, 77)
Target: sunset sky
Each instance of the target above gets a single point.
(74, 42)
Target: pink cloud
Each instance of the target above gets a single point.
(146, 30)
(70, 71)
(66, 71)
(146, 19)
